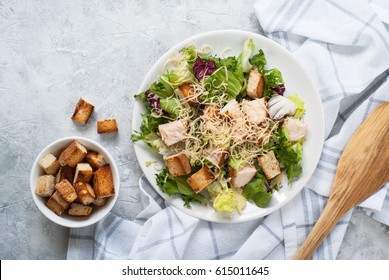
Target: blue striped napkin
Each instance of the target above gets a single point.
(344, 46)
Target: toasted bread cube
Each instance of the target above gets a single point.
(65, 172)
(242, 177)
(255, 110)
(107, 126)
(103, 182)
(77, 209)
(295, 128)
(255, 84)
(45, 186)
(173, 132)
(95, 160)
(178, 165)
(269, 165)
(49, 164)
(82, 112)
(72, 155)
(99, 202)
(186, 93)
(66, 190)
(85, 193)
(57, 204)
(84, 173)
(201, 179)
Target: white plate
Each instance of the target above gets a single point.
(296, 81)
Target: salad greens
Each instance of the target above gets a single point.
(178, 185)
(257, 190)
(219, 143)
(162, 88)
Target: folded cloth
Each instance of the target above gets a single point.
(344, 46)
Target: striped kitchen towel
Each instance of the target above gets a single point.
(344, 46)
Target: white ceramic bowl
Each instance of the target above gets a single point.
(66, 220)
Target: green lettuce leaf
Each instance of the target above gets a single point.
(237, 163)
(229, 62)
(189, 53)
(244, 57)
(179, 75)
(228, 81)
(258, 61)
(226, 199)
(161, 88)
(273, 78)
(299, 104)
(289, 154)
(257, 192)
(142, 97)
(178, 186)
(171, 105)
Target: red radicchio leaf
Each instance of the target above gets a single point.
(154, 102)
(202, 69)
(280, 89)
(268, 188)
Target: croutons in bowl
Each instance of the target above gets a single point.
(74, 182)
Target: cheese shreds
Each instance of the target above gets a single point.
(210, 130)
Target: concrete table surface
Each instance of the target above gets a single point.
(54, 52)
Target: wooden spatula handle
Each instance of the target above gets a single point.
(362, 169)
(321, 229)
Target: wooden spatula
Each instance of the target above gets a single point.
(363, 168)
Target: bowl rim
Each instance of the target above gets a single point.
(63, 221)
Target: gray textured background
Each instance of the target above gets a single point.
(54, 52)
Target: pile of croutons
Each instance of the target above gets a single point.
(76, 182)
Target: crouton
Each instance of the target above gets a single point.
(178, 164)
(95, 160)
(65, 172)
(103, 182)
(107, 126)
(82, 112)
(243, 176)
(84, 173)
(269, 165)
(85, 193)
(49, 164)
(186, 93)
(173, 132)
(99, 202)
(255, 84)
(255, 110)
(45, 186)
(57, 204)
(201, 179)
(72, 155)
(66, 190)
(77, 209)
(295, 129)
